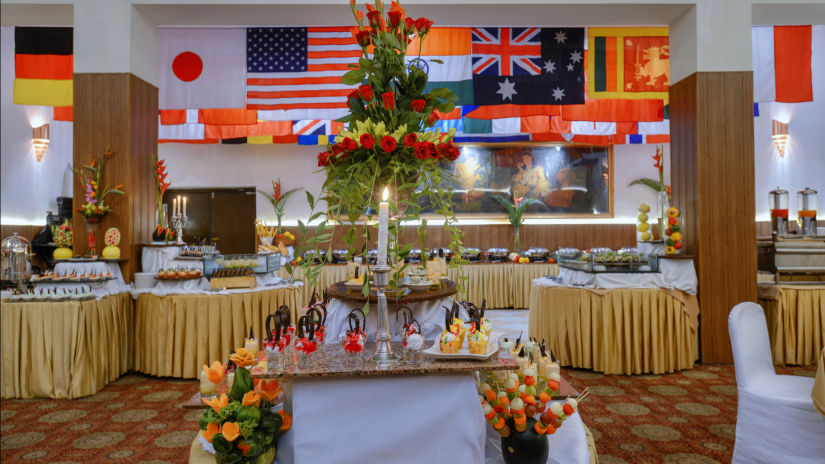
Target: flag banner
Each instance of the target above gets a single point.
(528, 66)
(653, 128)
(445, 125)
(260, 140)
(510, 111)
(229, 131)
(452, 47)
(201, 68)
(43, 66)
(228, 116)
(639, 139)
(507, 126)
(296, 71)
(628, 62)
(492, 138)
(63, 113)
(186, 131)
(535, 124)
(234, 141)
(782, 64)
(615, 110)
(311, 127)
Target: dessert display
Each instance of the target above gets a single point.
(644, 232)
(72, 278)
(197, 251)
(52, 295)
(179, 274)
(305, 342)
(276, 341)
(411, 338)
(477, 340)
(251, 343)
(355, 338)
(233, 272)
(596, 260)
(673, 232)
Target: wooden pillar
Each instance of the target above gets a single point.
(711, 120)
(118, 110)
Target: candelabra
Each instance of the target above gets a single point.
(179, 221)
(383, 351)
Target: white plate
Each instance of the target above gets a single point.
(422, 287)
(464, 353)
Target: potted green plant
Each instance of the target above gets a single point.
(515, 213)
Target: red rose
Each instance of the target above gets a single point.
(423, 25)
(410, 23)
(449, 151)
(421, 151)
(418, 105)
(395, 17)
(363, 37)
(389, 100)
(374, 18)
(409, 139)
(430, 149)
(433, 118)
(367, 141)
(366, 92)
(323, 158)
(388, 143)
(349, 144)
(337, 148)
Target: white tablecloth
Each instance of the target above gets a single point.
(155, 258)
(678, 274)
(405, 420)
(429, 314)
(201, 286)
(567, 446)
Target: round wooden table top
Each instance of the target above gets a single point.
(445, 289)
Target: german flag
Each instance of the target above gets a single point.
(43, 66)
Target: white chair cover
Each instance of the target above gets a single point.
(776, 421)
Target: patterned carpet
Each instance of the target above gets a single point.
(686, 417)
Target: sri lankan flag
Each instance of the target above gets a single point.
(43, 66)
(628, 62)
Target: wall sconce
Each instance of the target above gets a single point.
(780, 136)
(40, 140)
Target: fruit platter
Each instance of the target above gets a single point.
(179, 274)
(51, 277)
(597, 260)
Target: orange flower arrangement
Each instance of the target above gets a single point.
(210, 431)
(267, 389)
(217, 403)
(230, 430)
(251, 399)
(214, 373)
(243, 357)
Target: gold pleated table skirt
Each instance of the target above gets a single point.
(618, 331)
(175, 335)
(796, 321)
(65, 349)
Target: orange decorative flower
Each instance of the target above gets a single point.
(243, 357)
(217, 403)
(215, 372)
(230, 431)
(211, 430)
(251, 399)
(268, 390)
(287, 423)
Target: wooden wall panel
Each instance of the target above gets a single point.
(713, 184)
(117, 110)
(501, 235)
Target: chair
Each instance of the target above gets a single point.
(776, 421)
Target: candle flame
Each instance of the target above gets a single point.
(386, 194)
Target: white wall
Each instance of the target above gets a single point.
(29, 188)
(804, 161)
(256, 165)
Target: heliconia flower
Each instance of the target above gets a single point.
(211, 430)
(230, 431)
(109, 152)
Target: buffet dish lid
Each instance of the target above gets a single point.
(498, 252)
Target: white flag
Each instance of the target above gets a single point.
(202, 68)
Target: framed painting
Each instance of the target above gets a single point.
(570, 180)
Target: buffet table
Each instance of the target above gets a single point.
(617, 323)
(796, 321)
(65, 349)
(176, 334)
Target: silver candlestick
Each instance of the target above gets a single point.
(383, 351)
(179, 220)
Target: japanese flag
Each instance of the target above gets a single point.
(202, 68)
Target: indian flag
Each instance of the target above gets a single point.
(451, 46)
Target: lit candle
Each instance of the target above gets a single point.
(174, 207)
(179, 205)
(184, 205)
(383, 228)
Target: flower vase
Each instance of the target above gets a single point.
(92, 224)
(516, 238)
(661, 206)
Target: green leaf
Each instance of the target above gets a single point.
(310, 199)
(435, 60)
(353, 77)
(653, 184)
(366, 307)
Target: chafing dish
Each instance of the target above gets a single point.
(471, 254)
(497, 254)
(445, 253)
(339, 256)
(414, 256)
(16, 262)
(310, 254)
(372, 256)
(537, 254)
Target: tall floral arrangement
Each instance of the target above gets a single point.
(90, 177)
(389, 140)
(515, 213)
(661, 190)
(278, 199)
(161, 185)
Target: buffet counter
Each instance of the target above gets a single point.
(503, 285)
(65, 349)
(617, 326)
(176, 334)
(796, 321)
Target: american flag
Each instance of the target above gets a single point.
(506, 51)
(294, 73)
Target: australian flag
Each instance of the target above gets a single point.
(528, 66)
